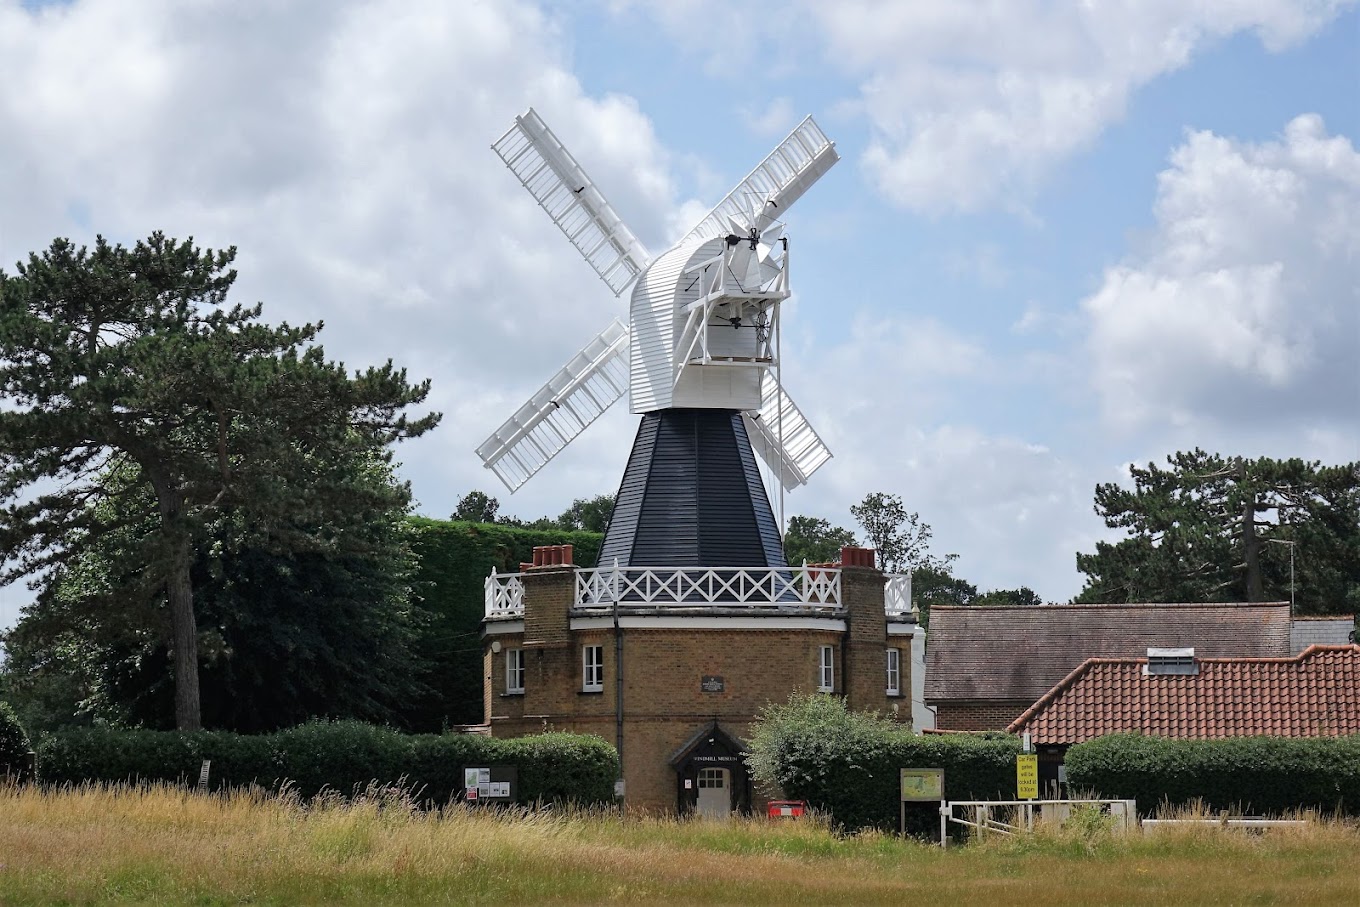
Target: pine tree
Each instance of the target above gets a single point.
(118, 358)
(1211, 529)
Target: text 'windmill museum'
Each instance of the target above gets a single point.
(692, 620)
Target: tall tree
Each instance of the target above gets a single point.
(1024, 597)
(476, 507)
(131, 355)
(1210, 528)
(932, 586)
(902, 538)
(814, 540)
(588, 514)
(286, 633)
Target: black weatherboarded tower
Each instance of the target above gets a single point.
(692, 496)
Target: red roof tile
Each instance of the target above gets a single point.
(1314, 694)
(1020, 652)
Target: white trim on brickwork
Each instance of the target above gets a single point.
(684, 622)
(592, 669)
(514, 670)
(498, 627)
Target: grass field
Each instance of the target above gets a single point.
(166, 846)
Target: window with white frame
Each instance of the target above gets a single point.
(592, 669)
(514, 670)
(826, 670)
(894, 672)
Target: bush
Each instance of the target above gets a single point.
(563, 766)
(846, 763)
(344, 756)
(1248, 774)
(13, 743)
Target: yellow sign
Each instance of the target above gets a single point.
(922, 784)
(1027, 777)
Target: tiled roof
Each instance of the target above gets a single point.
(1019, 653)
(1314, 694)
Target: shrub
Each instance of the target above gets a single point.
(563, 767)
(344, 756)
(1251, 774)
(13, 743)
(846, 763)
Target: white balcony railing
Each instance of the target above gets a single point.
(897, 595)
(817, 588)
(504, 595)
(781, 588)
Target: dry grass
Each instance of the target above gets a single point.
(161, 845)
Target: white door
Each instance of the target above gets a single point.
(715, 799)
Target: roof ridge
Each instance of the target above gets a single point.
(1074, 606)
(1057, 689)
(1311, 651)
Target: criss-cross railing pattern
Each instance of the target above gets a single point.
(897, 595)
(504, 595)
(815, 589)
(818, 588)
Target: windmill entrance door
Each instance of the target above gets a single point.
(715, 793)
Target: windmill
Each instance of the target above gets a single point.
(699, 359)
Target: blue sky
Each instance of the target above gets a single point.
(1061, 238)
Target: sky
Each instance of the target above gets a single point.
(1062, 237)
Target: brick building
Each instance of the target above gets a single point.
(987, 665)
(672, 664)
(1176, 694)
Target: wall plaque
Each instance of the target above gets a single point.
(711, 684)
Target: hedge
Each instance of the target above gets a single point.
(1251, 775)
(343, 756)
(13, 743)
(455, 559)
(847, 763)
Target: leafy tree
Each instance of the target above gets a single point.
(588, 514)
(476, 507)
(902, 538)
(285, 634)
(13, 742)
(814, 540)
(932, 586)
(1024, 597)
(1207, 528)
(130, 356)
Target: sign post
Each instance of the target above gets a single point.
(1027, 777)
(490, 784)
(921, 785)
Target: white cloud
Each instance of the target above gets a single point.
(344, 149)
(1245, 307)
(777, 118)
(892, 401)
(974, 103)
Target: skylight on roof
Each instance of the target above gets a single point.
(1171, 662)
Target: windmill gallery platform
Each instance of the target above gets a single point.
(672, 664)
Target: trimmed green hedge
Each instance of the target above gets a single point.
(13, 742)
(455, 559)
(1253, 775)
(341, 756)
(846, 763)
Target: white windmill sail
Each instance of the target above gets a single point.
(801, 453)
(776, 183)
(557, 182)
(576, 396)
